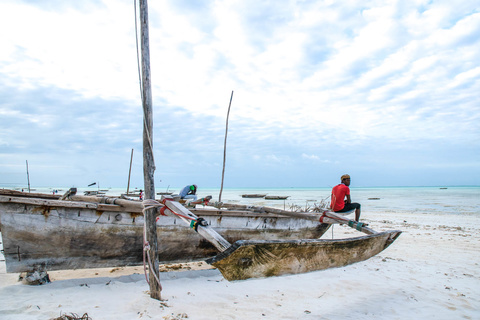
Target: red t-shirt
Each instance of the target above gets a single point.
(338, 196)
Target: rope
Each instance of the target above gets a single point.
(148, 204)
(151, 204)
(175, 213)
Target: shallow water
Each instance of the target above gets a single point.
(425, 200)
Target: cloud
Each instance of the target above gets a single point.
(319, 88)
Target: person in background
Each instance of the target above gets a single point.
(189, 192)
(141, 194)
(341, 201)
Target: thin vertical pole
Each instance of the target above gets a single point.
(148, 161)
(129, 172)
(28, 177)
(225, 149)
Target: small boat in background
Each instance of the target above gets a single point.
(254, 195)
(276, 197)
(93, 193)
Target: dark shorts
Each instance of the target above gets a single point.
(350, 207)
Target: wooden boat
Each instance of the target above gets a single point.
(276, 197)
(93, 193)
(132, 195)
(49, 232)
(254, 195)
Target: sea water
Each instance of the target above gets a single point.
(424, 200)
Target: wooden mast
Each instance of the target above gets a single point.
(225, 148)
(28, 177)
(129, 172)
(148, 161)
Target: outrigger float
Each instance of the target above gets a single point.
(50, 232)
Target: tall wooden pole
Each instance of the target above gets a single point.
(28, 177)
(148, 161)
(129, 172)
(225, 149)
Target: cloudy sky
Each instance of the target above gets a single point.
(387, 91)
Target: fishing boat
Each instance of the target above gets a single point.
(93, 193)
(276, 197)
(57, 232)
(254, 195)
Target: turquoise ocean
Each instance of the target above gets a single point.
(423, 200)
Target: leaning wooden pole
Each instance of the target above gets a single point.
(28, 177)
(225, 148)
(129, 172)
(148, 161)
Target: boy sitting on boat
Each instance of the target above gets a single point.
(339, 193)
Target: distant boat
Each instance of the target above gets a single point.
(93, 193)
(131, 194)
(443, 188)
(276, 197)
(254, 195)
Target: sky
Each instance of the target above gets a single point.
(386, 91)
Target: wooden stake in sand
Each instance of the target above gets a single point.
(148, 161)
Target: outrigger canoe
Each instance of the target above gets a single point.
(51, 232)
(254, 195)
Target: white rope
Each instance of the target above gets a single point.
(148, 204)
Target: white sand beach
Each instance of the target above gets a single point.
(431, 272)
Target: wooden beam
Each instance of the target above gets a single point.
(327, 217)
(203, 229)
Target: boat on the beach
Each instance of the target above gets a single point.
(55, 232)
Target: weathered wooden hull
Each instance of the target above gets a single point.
(58, 235)
(254, 259)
